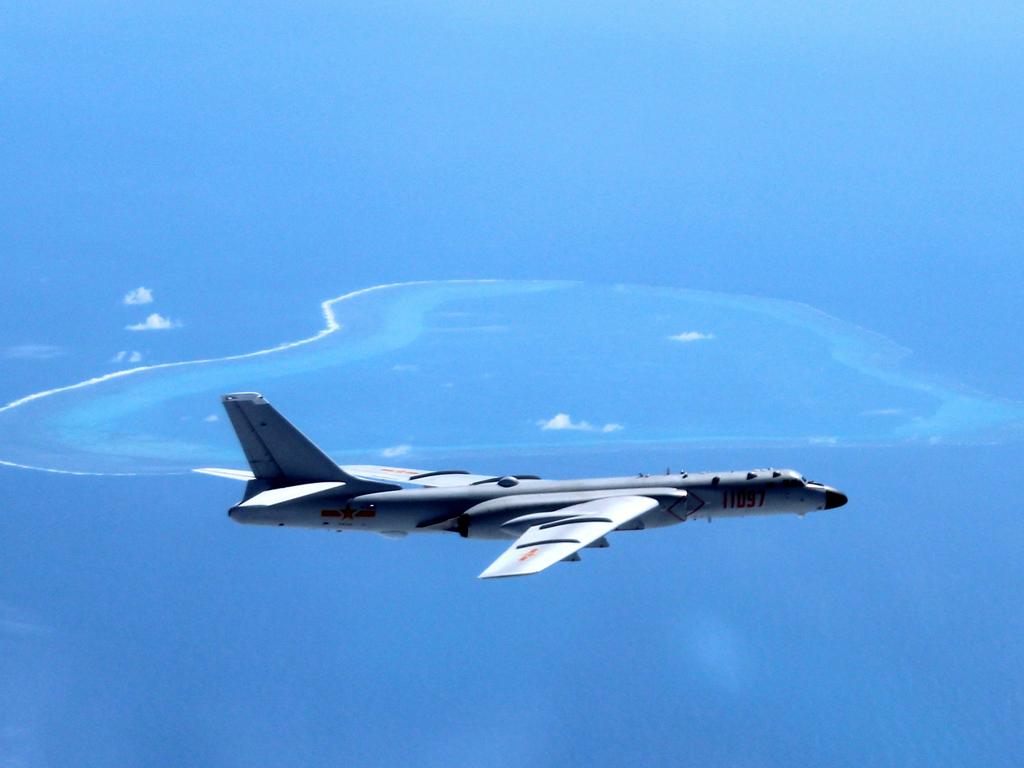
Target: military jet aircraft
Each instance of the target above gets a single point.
(293, 483)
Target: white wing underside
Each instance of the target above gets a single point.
(231, 474)
(552, 541)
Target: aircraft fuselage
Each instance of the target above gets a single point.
(292, 483)
(484, 510)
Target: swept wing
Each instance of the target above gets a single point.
(553, 540)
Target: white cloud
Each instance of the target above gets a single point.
(688, 336)
(154, 322)
(563, 421)
(139, 296)
(823, 440)
(212, 417)
(33, 351)
(395, 451)
(404, 367)
(127, 356)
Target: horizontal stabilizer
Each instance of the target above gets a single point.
(231, 474)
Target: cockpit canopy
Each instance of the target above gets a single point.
(789, 478)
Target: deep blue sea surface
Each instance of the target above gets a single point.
(688, 236)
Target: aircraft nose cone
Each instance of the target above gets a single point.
(834, 499)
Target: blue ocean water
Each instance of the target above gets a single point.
(823, 203)
(482, 368)
(142, 626)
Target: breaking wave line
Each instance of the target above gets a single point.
(331, 325)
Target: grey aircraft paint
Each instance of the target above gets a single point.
(293, 483)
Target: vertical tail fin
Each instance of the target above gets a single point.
(278, 453)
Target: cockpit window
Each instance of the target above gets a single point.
(792, 482)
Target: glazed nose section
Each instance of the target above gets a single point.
(834, 498)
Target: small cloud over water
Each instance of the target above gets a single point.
(140, 295)
(395, 451)
(563, 421)
(688, 336)
(155, 322)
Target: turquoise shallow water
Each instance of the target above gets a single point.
(404, 373)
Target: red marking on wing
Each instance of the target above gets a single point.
(530, 553)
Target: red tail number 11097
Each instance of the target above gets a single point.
(742, 499)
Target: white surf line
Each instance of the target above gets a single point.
(51, 470)
(331, 325)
